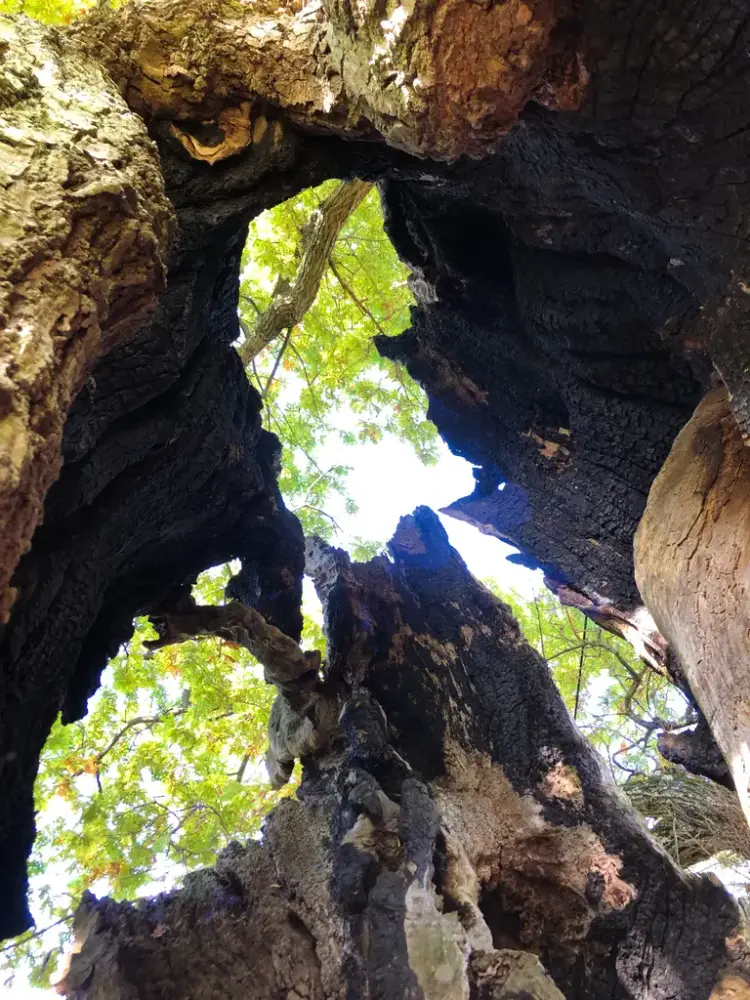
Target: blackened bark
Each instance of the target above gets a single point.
(573, 300)
(573, 288)
(696, 751)
(167, 472)
(455, 820)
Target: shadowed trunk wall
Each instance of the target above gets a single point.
(577, 287)
(167, 472)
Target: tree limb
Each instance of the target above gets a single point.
(290, 303)
(696, 819)
(282, 659)
(362, 306)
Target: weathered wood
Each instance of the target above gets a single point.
(454, 822)
(692, 559)
(577, 288)
(167, 472)
(84, 228)
(438, 80)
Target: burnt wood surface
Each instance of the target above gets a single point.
(167, 472)
(455, 797)
(579, 288)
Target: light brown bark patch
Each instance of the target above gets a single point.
(562, 782)
(439, 80)
(84, 227)
(509, 844)
(229, 133)
(692, 564)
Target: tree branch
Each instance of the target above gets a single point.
(277, 362)
(362, 306)
(282, 659)
(36, 934)
(290, 303)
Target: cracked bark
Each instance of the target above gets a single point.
(575, 286)
(84, 229)
(453, 827)
(437, 80)
(166, 472)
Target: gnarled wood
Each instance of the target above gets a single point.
(84, 227)
(692, 559)
(454, 822)
(438, 80)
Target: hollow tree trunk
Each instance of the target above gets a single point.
(85, 221)
(572, 291)
(454, 827)
(167, 470)
(692, 557)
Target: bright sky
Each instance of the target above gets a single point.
(388, 481)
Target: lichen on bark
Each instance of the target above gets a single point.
(84, 227)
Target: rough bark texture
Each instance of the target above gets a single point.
(438, 79)
(167, 472)
(692, 555)
(576, 287)
(695, 819)
(573, 287)
(84, 227)
(454, 819)
(696, 751)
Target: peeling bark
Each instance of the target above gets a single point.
(692, 556)
(454, 832)
(84, 227)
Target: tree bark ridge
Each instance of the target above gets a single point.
(453, 825)
(85, 228)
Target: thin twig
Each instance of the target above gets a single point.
(354, 297)
(539, 620)
(241, 769)
(309, 506)
(36, 934)
(580, 667)
(276, 363)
